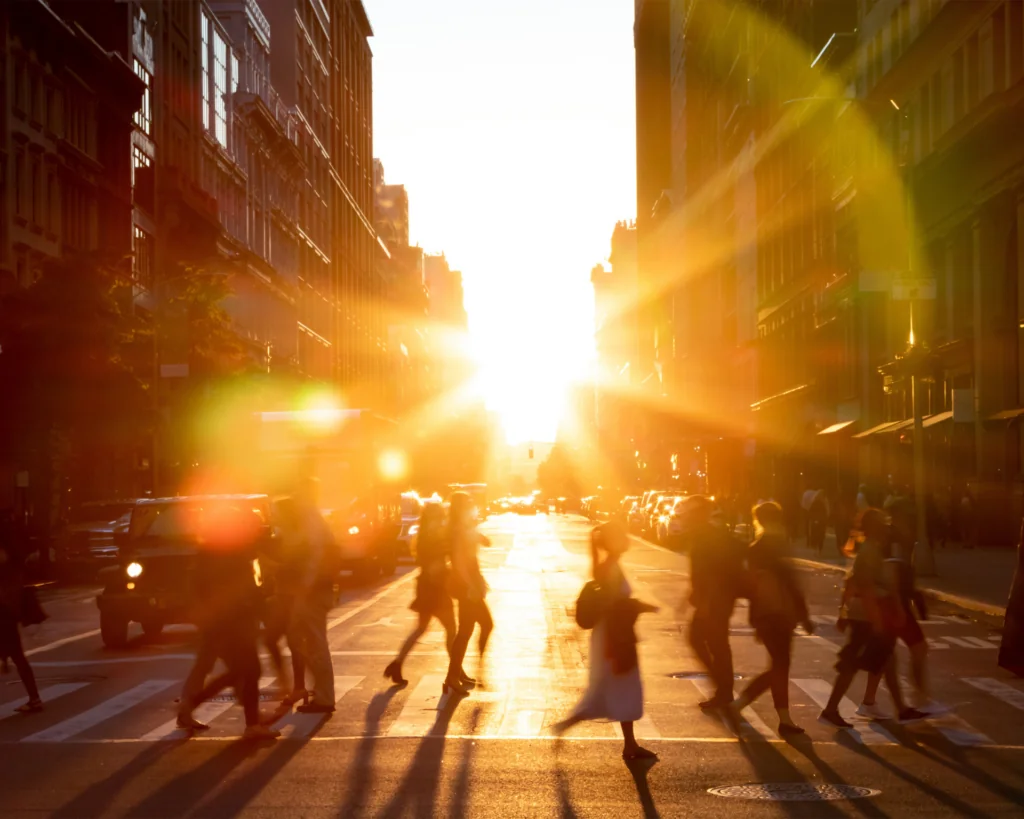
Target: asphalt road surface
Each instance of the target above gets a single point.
(105, 745)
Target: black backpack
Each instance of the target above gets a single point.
(591, 605)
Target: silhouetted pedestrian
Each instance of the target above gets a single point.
(717, 575)
(614, 688)
(776, 607)
(11, 613)
(432, 598)
(1011, 648)
(468, 587)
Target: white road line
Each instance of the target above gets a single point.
(750, 723)
(967, 642)
(870, 733)
(348, 615)
(300, 726)
(936, 644)
(643, 728)
(48, 694)
(207, 712)
(94, 716)
(419, 714)
(62, 642)
(999, 690)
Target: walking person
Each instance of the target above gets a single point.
(871, 613)
(777, 605)
(716, 581)
(11, 614)
(229, 625)
(311, 541)
(1011, 647)
(432, 598)
(468, 587)
(282, 569)
(614, 689)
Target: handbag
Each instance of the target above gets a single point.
(30, 611)
(591, 605)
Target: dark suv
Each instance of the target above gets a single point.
(85, 544)
(153, 583)
(367, 531)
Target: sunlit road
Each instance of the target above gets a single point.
(106, 745)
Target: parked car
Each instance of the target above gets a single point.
(367, 530)
(670, 524)
(635, 518)
(412, 507)
(86, 543)
(153, 583)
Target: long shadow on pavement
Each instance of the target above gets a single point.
(360, 776)
(418, 788)
(565, 808)
(950, 801)
(639, 770)
(97, 798)
(460, 789)
(865, 807)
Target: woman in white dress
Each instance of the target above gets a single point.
(614, 690)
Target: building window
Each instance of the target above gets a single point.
(144, 116)
(53, 202)
(142, 247)
(206, 70)
(220, 88)
(139, 160)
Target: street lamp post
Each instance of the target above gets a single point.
(924, 560)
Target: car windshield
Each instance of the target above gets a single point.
(100, 512)
(181, 522)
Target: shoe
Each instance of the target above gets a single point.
(315, 708)
(465, 678)
(933, 708)
(394, 673)
(715, 702)
(788, 729)
(30, 707)
(186, 722)
(638, 753)
(259, 732)
(832, 718)
(911, 715)
(299, 694)
(453, 686)
(873, 711)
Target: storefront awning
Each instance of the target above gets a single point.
(880, 428)
(837, 427)
(1007, 415)
(899, 426)
(939, 418)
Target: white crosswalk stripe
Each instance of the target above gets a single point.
(115, 706)
(47, 694)
(207, 712)
(421, 710)
(869, 733)
(999, 690)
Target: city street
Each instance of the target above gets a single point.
(106, 743)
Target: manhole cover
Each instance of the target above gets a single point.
(794, 792)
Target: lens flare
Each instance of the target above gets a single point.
(393, 465)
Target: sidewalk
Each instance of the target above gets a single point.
(976, 579)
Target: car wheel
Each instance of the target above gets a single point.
(113, 631)
(152, 628)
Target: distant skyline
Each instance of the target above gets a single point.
(512, 127)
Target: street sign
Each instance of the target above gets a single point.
(913, 289)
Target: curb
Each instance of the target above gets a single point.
(968, 603)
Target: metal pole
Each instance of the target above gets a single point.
(924, 561)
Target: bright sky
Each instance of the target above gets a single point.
(512, 127)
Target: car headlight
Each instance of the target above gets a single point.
(414, 529)
(353, 530)
(133, 569)
(257, 572)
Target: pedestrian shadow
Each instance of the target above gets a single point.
(460, 788)
(97, 798)
(804, 746)
(937, 748)
(361, 772)
(565, 808)
(418, 788)
(639, 769)
(851, 743)
(233, 800)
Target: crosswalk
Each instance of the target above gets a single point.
(90, 712)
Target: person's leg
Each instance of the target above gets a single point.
(312, 619)
(445, 614)
(193, 687)
(486, 622)
(466, 624)
(697, 636)
(721, 653)
(28, 677)
(871, 689)
(631, 750)
(919, 670)
(412, 639)
(842, 684)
